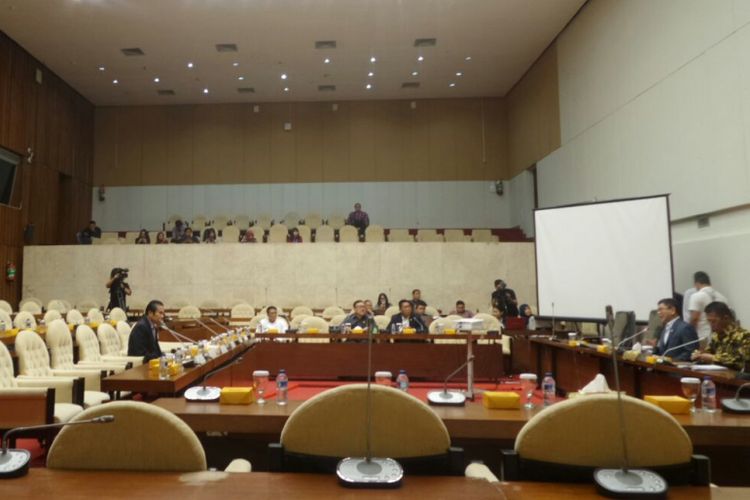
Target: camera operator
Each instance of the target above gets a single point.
(118, 288)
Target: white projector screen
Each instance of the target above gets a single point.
(614, 253)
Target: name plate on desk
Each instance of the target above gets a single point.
(200, 359)
(223, 349)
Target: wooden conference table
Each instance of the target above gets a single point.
(74, 485)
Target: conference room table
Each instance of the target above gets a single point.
(74, 485)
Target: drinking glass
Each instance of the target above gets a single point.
(528, 384)
(260, 381)
(691, 387)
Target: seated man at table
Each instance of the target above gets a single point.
(273, 323)
(729, 344)
(406, 319)
(420, 308)
(144, 337)
(461, 310)
(675, 332)
(360, 318)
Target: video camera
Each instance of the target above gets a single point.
(121, 271)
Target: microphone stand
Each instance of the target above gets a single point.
(452, 398)
(15, 462)
(661, 358)
(209, 393)
(737, 405)
(219, 324)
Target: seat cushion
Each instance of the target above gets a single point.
(65, 411)
(94, 398)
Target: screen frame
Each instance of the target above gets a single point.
(15, 161)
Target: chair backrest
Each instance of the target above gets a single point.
(313, 220)
(33, 357)
(95, 315)
(305, 233)
(348, 234)
(123, 331)
(278, 233)
(87, 304)
(491, 323)
(109, 340)
(441, 323)
(57, 305)
(291, 219)
(330, 425)
(655, 438)
(242, 310)
(172, 219)
(483, 236)
(30, 307)
(337, 320)
(431, 311)
(6, 323)
(374, 233)
(60, 344)
(177, 303)
(382, 321)
(242, 221)
(24, 319)
(331, 311)
(256, 319)
(52, 315)
(131, 236)
(74, 317)
(117, 314)
(455, 235)
(263, 222)
(314, 322)
(428, 235)
(400, 236)
(7, 379)
(391, 311)
(6, 307)
(301, 310)
(219, 221)
(336, 221)
(143, 437)
(189, 312)
(324, 234)
(88, 344)
(199, 222)
(230, 234)
(654, 326)
(295, 322)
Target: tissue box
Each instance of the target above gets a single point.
(675, 405)
(501, 400)
(237, 396)
(313, 330)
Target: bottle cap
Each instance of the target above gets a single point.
(402, 371)
(282, 371)
(548, 374)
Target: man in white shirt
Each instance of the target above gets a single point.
(272, 323)
(703, 296)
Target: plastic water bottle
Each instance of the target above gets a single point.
(282, 387)
(532, 323)
(708, 395)
(402, 380)
(548, 389)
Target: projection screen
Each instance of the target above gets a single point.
(607, 253)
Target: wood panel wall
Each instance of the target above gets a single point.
(442, 139)
(54, 190)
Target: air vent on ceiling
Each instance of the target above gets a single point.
(226, 47)
(326, 88)
(133, 51)
(325, 44)
(425, 42)
(410, 85)
(246, 90)
(165, 92)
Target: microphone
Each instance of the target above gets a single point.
(197, 320)
(369, 471)
(626, 482)
(661, 357)
(15, 462)
(631, 337)
(449, 398)
(177, 336)
(219, 324)
(737, 405)
(209, 393)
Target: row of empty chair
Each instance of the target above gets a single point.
(263, 221)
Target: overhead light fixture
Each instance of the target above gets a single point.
(101, 68)
(326, 61)
(286, 89)
(414, 73)
(467, 58)
(115, 81)
(226, 47)
(458, 73)
(372, 59)
(190, 65)
(283, 76)
(368, 86)
(156, 80)
(205, 91)
(370, 74)
(235, 64)
(420, 58)
(240, 78)
(451, 84)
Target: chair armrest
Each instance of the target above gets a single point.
(701, 470)
(24, 406)
(92, 378)
(275, 457)
(118, 360)
(509, 465)
(480, 471)
(65, 390)
(239, 465)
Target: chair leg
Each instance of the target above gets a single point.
(275, 457)
(457, 460)
(509, 466)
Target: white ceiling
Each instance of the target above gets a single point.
(75, 37)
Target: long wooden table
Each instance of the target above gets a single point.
(74, 485)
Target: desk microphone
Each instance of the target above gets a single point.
(15, 462)
(449, 398)
(368, 471)
(626, 482)
(209, 393)
(219, 324)
(661, 357)
(177, 336)
(630, 337)
(197, 320)
(737, 405)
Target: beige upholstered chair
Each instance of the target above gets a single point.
(291, 219)
(74, 317)
(313, 220)
(117, 314)
(374, 233)
(254, 322)
(400, 236)
(330, 425)
(491, 323)
(123, 331)
(87, 304)
(336, 221)
(210, 304)
(24, 319)
(263, 222)
(219, 221)
(89, 351)
(243, 311)
(189, 312)
(429, 236)
(95, 315)
(391, 311)
(174, 218)
(442, 324)
(67, 304)
(5, 307)
(348, 234)
(30, 306)
(6, 323)
(60, 345)
(177, 303)
(316, 322)
(278, 233)
(230, 234)
(431, 311)
(30, 299)
(64, 409)
(295, 322)
(199, 222)
(337, 320)
(111, 348)
(130, 237)
(456, 236)
(483, 236)
(57, 305)
(382, 321)
(301, 310)
(331, 311)
(33, 361)
(324, 234)
(305, 233)
(51, 316)
(242, 221)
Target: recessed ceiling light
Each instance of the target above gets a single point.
(414, 73)
(101, 68)
(372, 59)
(115, 81)
(326, 61)
(458, 73)
(205, 91)
(235, 64)
(468, 58)
(368, 86)
(283, 76)
(370, 74)
(286, 89)
(420, 58)
(156, 80)
(240, 78)
(190, 65)
(451, 84)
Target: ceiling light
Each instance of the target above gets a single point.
(115, 81)
(235, 64)
(283, 76)
(372, 59)
(286, 89)
(326, 61)
(101, 68)
(420, 58)
(458, 73)
(368, 86)
(240, 78)
(468, 58)
(414, 73)
(205, 91)
(190, 65)
(156, 80)
(370, 74)
(451, 84)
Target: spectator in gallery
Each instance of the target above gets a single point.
(461, 310)
(143, 238)
(178, 231)
(382, 304)
(505, 299)
(189, 237)
(248, 237)
(416, 295)
(90, 231)
(295, 237)
(359, 219)
(210, 235)
(161, 238)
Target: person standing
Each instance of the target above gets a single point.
(118, 289)
(505, 299)
(703, 296)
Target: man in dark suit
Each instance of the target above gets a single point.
(675, 332)
(406, 317)
(144, 337)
